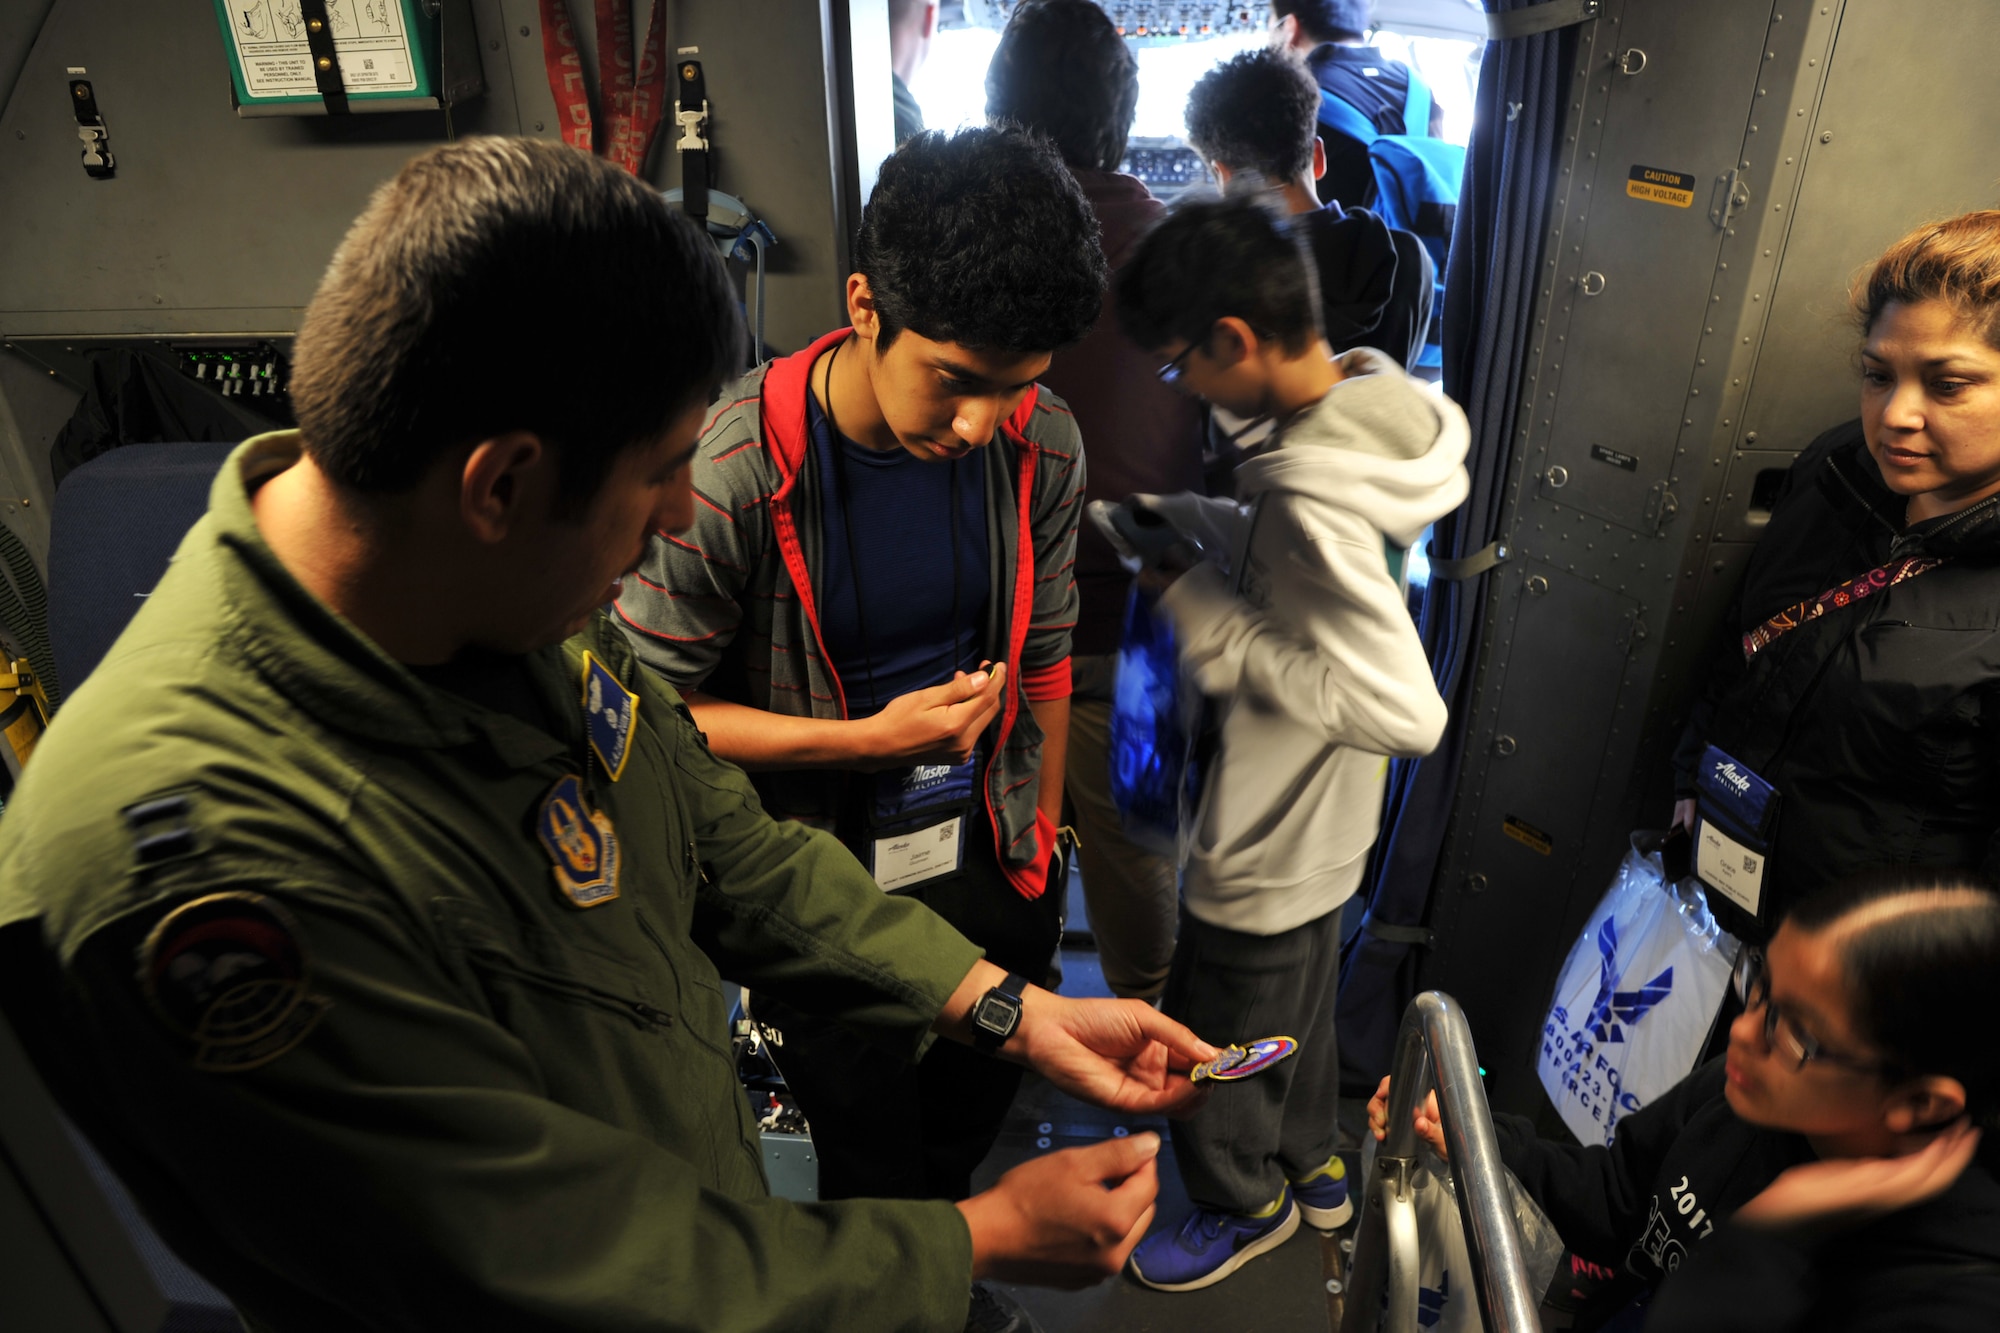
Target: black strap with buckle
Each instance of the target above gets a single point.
(325, 59)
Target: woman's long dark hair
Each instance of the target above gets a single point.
(1920, 952)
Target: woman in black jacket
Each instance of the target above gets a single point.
(1826, 1173)
(1861, 679)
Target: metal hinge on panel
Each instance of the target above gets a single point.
(1732, 196)
(1661, 506)
(1632, 632)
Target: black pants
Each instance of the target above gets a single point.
(1237, 1151)
(886, 1129)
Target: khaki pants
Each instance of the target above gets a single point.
(1132, 895)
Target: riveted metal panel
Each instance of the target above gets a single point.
(1844, 123)
(1638, 275)
(1525, 827)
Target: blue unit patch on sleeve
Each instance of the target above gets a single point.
(609, 710)
(581, 844)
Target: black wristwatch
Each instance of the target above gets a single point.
(998, 1013)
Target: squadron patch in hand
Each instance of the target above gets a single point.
(580, 842)
(1243, 1061)
(229, 973)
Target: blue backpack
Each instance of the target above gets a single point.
(1416, 182)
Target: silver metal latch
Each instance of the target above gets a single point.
(1661, 506)
(1732, 196)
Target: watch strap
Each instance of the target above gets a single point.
(984, 1037)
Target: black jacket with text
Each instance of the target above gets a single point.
(1657, 1204)
(1879, 721)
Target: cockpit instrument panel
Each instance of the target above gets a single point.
(1149, 21)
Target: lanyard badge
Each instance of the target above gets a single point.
(1738, 811)
(581, 843)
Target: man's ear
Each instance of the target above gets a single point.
(861, 311)
(498, 479)
(1319, 158)
(1924, 1104)
(1222, 174)
(930, 20)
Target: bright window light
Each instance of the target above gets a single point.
(951, 84)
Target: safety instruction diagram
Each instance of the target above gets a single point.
(369, 36)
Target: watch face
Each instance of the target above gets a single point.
(997, 1014)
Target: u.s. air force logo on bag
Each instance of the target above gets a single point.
(582, 845)
(229, 972)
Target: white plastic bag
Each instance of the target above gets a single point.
(1636, 997)
(1447, 1297)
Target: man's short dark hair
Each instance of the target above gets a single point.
(982, 239)
(1215, 258)
(1328, 20)
(1258, 112)
(1062, 70)
(508, 284)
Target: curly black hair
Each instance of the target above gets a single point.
(1061, 69)
(1258, 112)
(1218, 257)
(983, 239)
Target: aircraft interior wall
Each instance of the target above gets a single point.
(215, 227)
(1689, 339)
(1727, 166)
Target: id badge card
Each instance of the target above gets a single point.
(1736, 812)
(917, 819)
(1729, 867)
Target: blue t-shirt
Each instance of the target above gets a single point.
(900, 510)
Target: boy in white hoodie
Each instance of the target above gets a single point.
(1292, 618)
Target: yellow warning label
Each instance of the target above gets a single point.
(1659, 186)
(1521, 831)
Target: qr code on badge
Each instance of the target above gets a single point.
(1749, 865)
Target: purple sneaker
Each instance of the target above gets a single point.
(1323, 1197)
(1210, 1245)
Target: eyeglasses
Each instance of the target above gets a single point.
(1171, 372)
(1782, 1033)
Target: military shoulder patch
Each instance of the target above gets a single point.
(229, 972)
(609, 710)
(581, 843)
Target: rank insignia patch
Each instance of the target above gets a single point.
(1243, 1061)
(608, 712)
(580, 842)
(229, 972)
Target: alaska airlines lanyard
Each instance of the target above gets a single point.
(580, 841)
(913, 823)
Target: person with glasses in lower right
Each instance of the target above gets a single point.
(1828, 1173)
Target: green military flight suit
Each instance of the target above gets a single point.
(487, 1108)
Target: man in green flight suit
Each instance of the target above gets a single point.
(368, 906)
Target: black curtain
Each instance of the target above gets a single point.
(1490, 290)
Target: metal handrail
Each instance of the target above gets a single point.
(1434, 1050)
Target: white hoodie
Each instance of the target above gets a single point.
(1306, 643)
